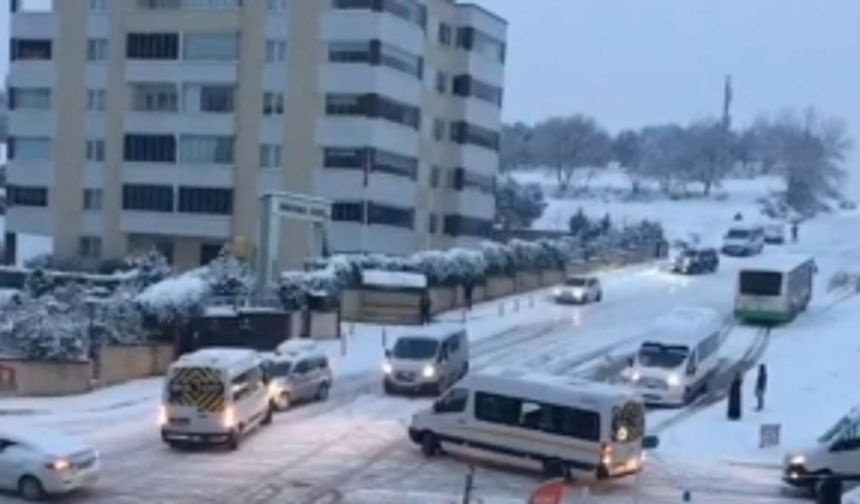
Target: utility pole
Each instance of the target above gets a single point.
(728, 96)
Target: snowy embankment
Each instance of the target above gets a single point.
(707, 217)
(812, 368)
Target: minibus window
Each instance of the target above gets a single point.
(415, 348)
(453, 402)
(761, 283)
(834, 431)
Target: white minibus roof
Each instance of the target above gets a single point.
(232, 359)
(551, 388)
(435, 332)
(684, 325)
(778, 263)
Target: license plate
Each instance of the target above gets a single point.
(178, 421)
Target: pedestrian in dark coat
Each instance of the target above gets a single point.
(468, 289)
(794, 231)
(426, 305)
(760, 387)
(739, 217)
(734, 412)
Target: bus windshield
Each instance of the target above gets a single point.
(415, 348)
(761, 283)
(662, 356)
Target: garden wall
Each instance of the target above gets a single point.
(33, 378)
(123, 363)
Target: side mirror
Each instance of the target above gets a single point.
(650, 442)
(436, 407)
(630, 361)
(387, 353)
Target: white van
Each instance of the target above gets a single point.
(744, 240)
(430, 360)
(215, 395)
(677, 357)
(563, 426)
(837, 453)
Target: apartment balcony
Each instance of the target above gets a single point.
(32, 73)
(353, 131)
(218, 227)
(336, 184)
(30, 220)
(34, 25)
(471, 202)
(42, 123)
(179, 122)
(481, 67)
(181, 71)
(477, 159)
(369, 25)
(209, 175)
(364, 78)
(482, 113)
(27, 172)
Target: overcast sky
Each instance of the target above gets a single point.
(635, 62)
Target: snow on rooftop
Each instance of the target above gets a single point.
(219, 357)
(378, 278)
(188, 287)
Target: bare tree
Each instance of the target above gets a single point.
(627, 150)
(568, 144)
(663, 154)
(516, 150)
(707, 155)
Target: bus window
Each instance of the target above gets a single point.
(761, 283)
(453, 402)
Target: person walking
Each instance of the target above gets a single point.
(468, 290)
(760, 386)
(739, 217)
(425, 307)
(734, 411)
(794, 230)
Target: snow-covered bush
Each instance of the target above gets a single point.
(150, 267)
(175, 300)
(46, 328)
(228, 276)
(119, 319)
(296, 287)
(38, 283)
(498, 258)
(526, 255)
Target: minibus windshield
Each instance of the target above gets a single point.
(415, 348)
(738, 234)
(662, 356)
(834, 431)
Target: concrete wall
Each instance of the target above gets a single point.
(500, 286)
(528, 281)
(123, 363)
(350, 304)
(325, 326)
(551, 277)
(442, 299)
(31, 378)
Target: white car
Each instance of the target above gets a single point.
(38, 463)
(579, 289)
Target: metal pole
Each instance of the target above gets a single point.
(470, 482)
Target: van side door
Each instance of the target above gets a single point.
(302, 378)
(845, 452)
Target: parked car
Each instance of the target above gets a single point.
(431, 359)
(774, 234)
(696, 260)
(38, 463)
(743, 240)
(580, 290)
(298, 371)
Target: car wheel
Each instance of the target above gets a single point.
(554, 468)
(234, 440)
(322, 393)
(30, 488)
(430, 445)
(267, 419)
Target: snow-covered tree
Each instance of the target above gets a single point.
(119, 319)
(39, 283)
(47, 329)
(498, 258)
(517, 206)
(516, 150)
(151, 267)
(569, 144)
(229, 276)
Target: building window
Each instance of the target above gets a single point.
(432, 223)
(435, 176)
(461, 225)
(273, 103)
(394, 164)
(441, 82)
(205, 200)
(97, 49)
(373, 106)
(276, 5)
(206, 149)
(209, 98)
(96, 100)
(90, 246)
(154, 97)
(29, 98)
(149, 148)
(95, 150)
(347, 211)
(471, 39)
(445, 34)
(462, 179)
(210, 46)
(396, 58)
(270, 156)
(28, 196)
(344, 104)
(466, 85)
(465, 133)
(377, 160)
(30, 49)
(438, 130)
(349, 52)
(98, 5)
(344, 157)
(150, 198)
(21, 148)
(409, 10)
(276, 51)
(152, 46)
(385, 215)
(93, 199)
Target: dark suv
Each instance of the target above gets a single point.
(693, 260)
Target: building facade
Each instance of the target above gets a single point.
(141, 123)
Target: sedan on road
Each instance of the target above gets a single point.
(579, 289)
(38, 463)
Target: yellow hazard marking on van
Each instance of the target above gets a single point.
(198, 387)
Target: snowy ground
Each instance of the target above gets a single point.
(353, 448)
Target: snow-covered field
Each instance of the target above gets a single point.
(353, 448)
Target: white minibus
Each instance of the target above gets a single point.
(215, 395)
(677, 356)
(563, 426)
(836, 453)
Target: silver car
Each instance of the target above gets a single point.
(298, 377)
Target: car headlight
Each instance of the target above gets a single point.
(229, 418)
(636, 376)
(557, 292)
(275, 389)
(162, 416)
(673, 380)
(429, 371)
(387, 369)
(60, 465)
(797, 460)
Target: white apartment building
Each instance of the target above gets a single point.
(141, 123)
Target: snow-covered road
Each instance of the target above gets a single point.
(353, 448)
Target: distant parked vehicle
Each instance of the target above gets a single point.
(696, 260)
(743, 240)
(774, 289)
(430, 360)
(580, 290)
(774, 234)
(298, 371)
(38, 463)
(837, 452)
